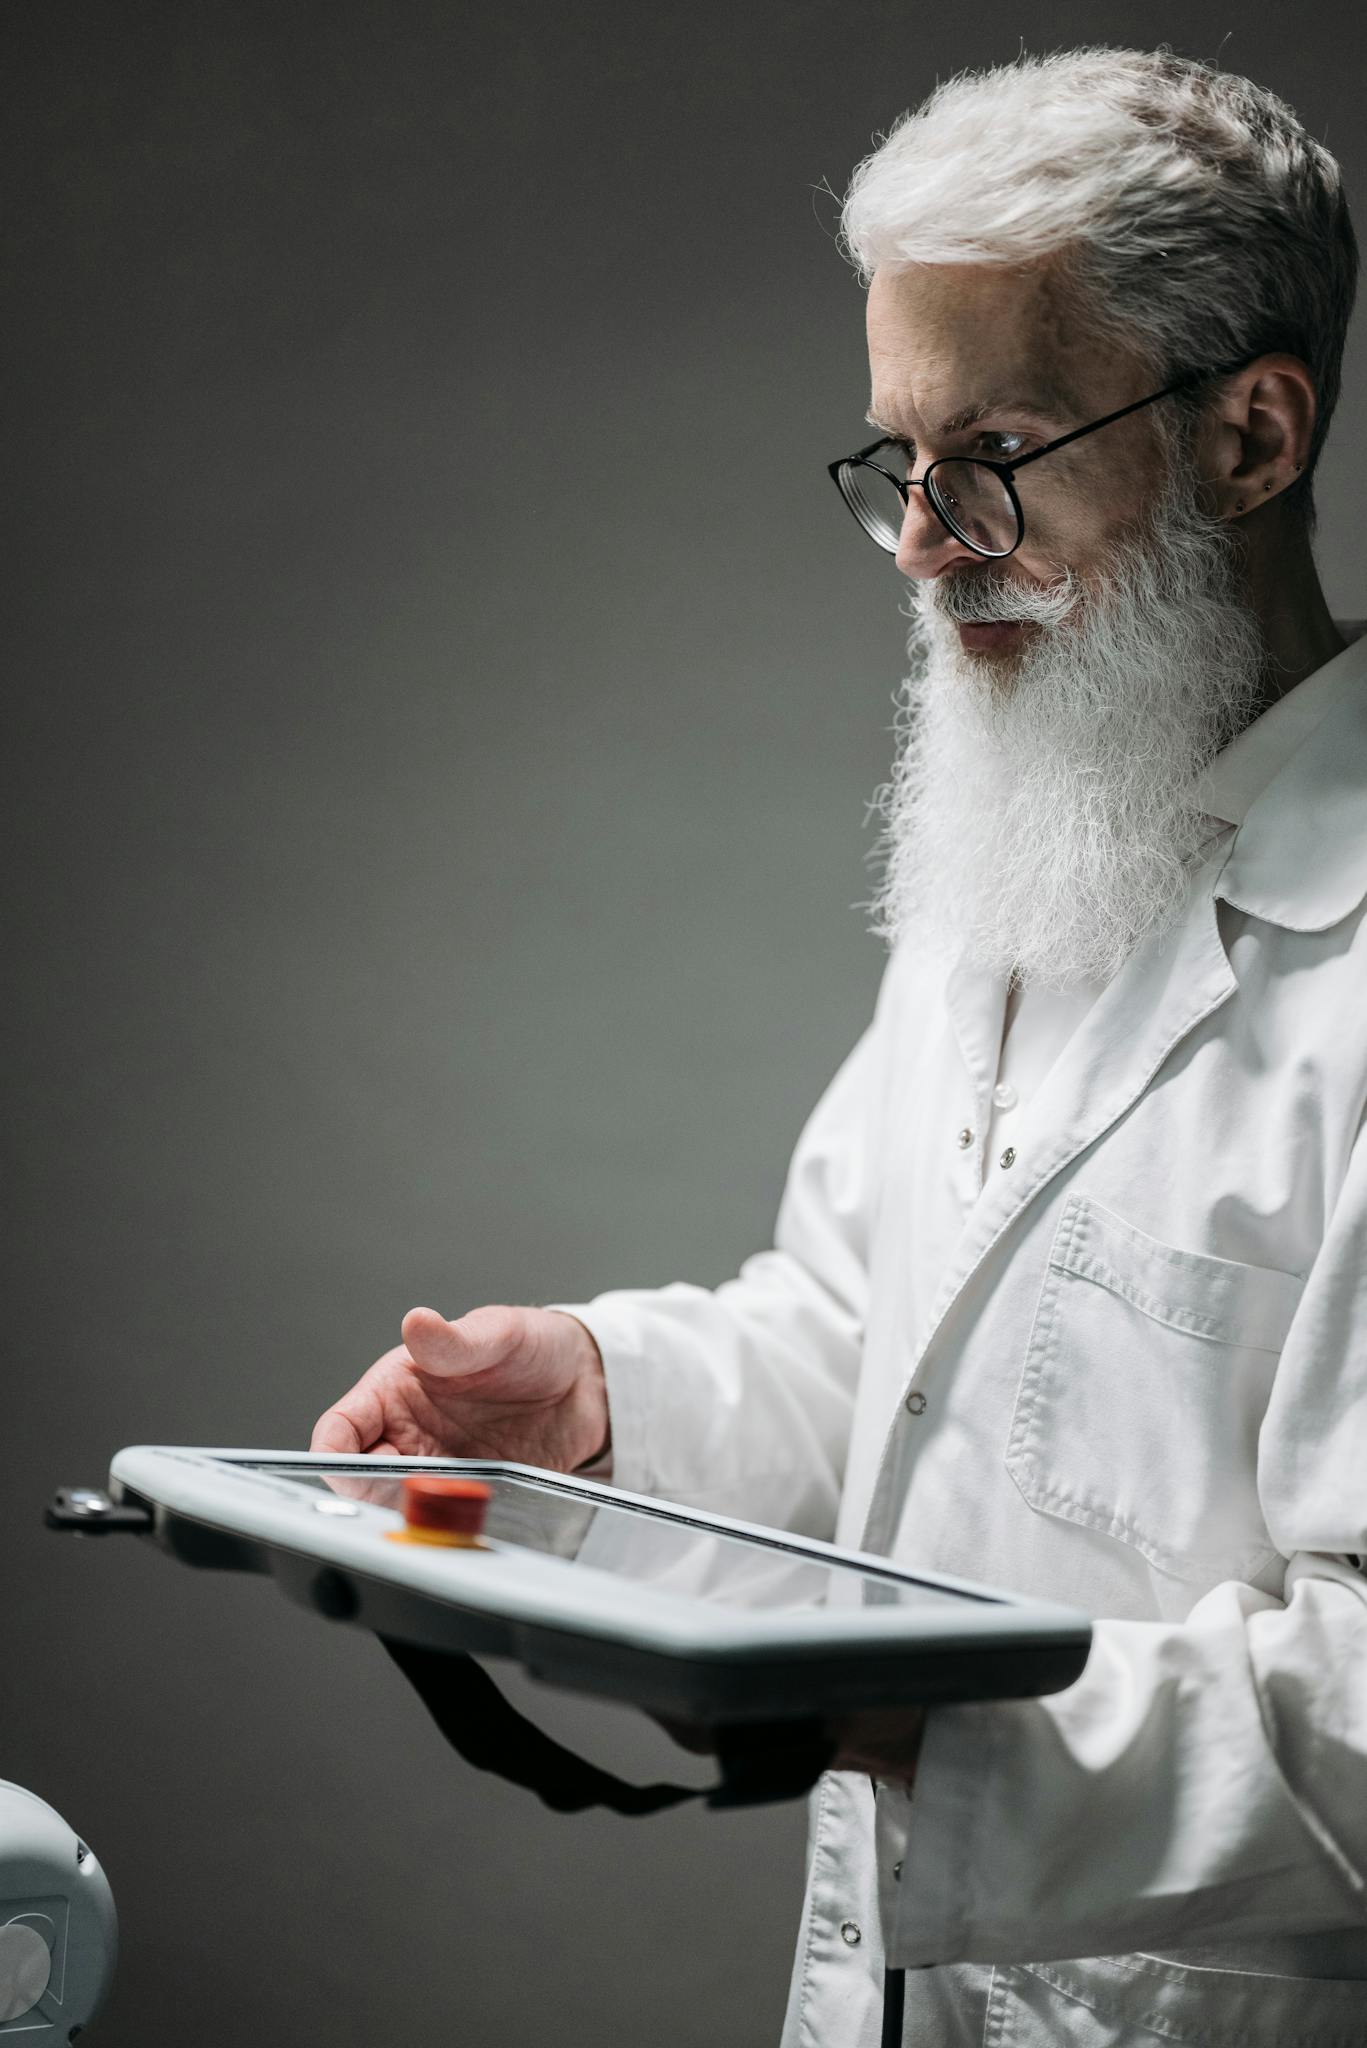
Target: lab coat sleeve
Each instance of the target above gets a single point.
(739, 1398)
(1202, 1782)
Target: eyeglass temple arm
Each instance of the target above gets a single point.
(1194, 377)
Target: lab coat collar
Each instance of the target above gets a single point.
(1293, 786)
(1299, 856)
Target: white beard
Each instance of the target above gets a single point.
(1043, 812)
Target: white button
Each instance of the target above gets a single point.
(965, 1138)
(1008, 1157)
(850, 1934)
(1004, 1095)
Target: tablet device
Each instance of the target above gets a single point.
(688, 1615)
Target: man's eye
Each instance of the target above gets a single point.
(1000, 445)
(1003, 454)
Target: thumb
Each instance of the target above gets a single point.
(458, 1349)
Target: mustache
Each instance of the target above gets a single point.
(980, 597)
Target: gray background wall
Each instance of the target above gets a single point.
(443, 698)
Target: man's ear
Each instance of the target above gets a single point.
(1254, 440)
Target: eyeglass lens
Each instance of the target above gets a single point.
(973, 499)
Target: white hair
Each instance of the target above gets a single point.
(1198, 221)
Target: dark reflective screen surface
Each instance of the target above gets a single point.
(644, 1544)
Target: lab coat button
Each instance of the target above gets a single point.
(1004, 1095)
(915, 1402)
(850, 1934)
(1008, 1157)
(965, 1138)
(897, 1872)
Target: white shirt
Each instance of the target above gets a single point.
(1137, 1357)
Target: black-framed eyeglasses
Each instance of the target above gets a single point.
(974, 499)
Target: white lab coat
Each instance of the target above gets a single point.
(1126, 1370)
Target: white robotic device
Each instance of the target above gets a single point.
(58, 1931)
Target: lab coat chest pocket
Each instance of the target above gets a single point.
(1145, 1380)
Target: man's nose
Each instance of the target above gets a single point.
(926, 547)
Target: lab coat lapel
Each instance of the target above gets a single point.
(1162, 992)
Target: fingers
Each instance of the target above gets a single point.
(494, 1341)
(354, 1424)
(883, 1742)
(333, 1432)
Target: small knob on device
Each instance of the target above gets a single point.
(449, 1511)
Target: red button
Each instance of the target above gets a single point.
(450, 1507)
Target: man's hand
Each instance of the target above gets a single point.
(884, 1743)
(517, 1383)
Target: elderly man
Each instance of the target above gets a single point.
(1069, 1282)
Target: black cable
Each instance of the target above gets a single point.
(894, 1995)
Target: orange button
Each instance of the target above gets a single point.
(450, 1508)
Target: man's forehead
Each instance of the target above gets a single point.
(951, 343)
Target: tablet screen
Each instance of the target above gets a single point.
(655, 1545)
